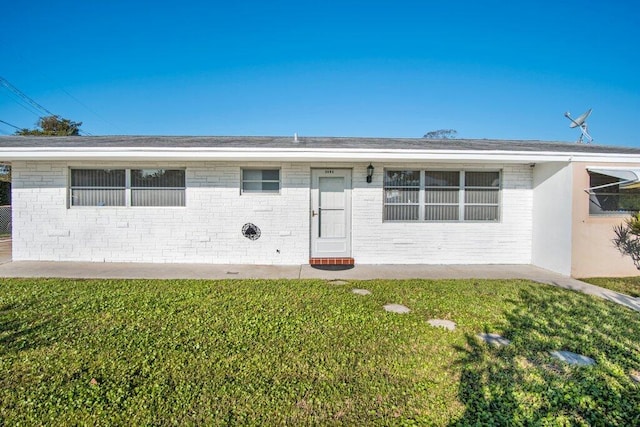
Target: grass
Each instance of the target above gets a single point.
(150, 352)
(625, 285)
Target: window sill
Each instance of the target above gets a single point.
(126, 207)
(442, 222)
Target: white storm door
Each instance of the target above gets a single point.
(330, 213)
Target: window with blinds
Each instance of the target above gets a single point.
(98, 187)
(402, 195)
(441, 196)
(426, 195)
(127, 187)
(481, 196)
(157, 187)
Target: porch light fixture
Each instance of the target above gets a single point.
(369, 173)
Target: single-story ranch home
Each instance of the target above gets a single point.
(317, 200)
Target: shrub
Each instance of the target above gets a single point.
(627, 238)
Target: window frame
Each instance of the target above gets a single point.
(497, 189)
(461, 188)
(263, 181)
(128, 188)
(399, 189)
(594, 192)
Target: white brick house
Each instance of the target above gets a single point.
(189, 199)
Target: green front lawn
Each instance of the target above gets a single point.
(625, 285)
(151, 352)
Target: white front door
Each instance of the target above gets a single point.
(330, 213)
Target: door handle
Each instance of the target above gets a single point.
(313, 213)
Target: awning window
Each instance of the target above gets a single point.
(613, 190)
(628, 177)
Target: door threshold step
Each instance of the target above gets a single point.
(331, 261)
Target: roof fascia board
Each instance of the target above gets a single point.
(342, 155)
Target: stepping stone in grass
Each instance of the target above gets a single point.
(441, 323)
(361, 291)
(397, 308)
(573, 358)
(635, 376)
(337, 282)
(494, 339)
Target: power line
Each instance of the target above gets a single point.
(31, 103)
(86, 107)
(12, 96)
(9, 124)
(18, 92)
(37, 70)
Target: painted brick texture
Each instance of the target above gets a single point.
(505, 242)
(208, 228)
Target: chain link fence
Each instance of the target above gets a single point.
(5, 220)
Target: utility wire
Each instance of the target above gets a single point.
(9, 124)
(12, 96)
(18, 92)
(36, 68)
(92, 111)
(31, 103)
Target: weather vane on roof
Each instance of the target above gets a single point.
(580, 122)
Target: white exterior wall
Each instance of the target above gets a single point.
(552, 200)
(505, 242)
(208, 229)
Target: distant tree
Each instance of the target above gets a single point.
(627, 238)
(5, 184)
(52, 126)
(441, 134)
(5, 173)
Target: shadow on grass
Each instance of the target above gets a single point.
(21, 328)
(522, 384)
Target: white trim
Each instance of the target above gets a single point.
(304, 155)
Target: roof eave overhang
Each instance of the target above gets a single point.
(301, 155)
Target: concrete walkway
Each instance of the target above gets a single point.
(94, 270)
(90, 270)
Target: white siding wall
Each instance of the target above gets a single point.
(208, 229)
(504, 242)
(552, 200)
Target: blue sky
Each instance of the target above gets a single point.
(489, 69)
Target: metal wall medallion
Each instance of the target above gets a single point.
(251, 231)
